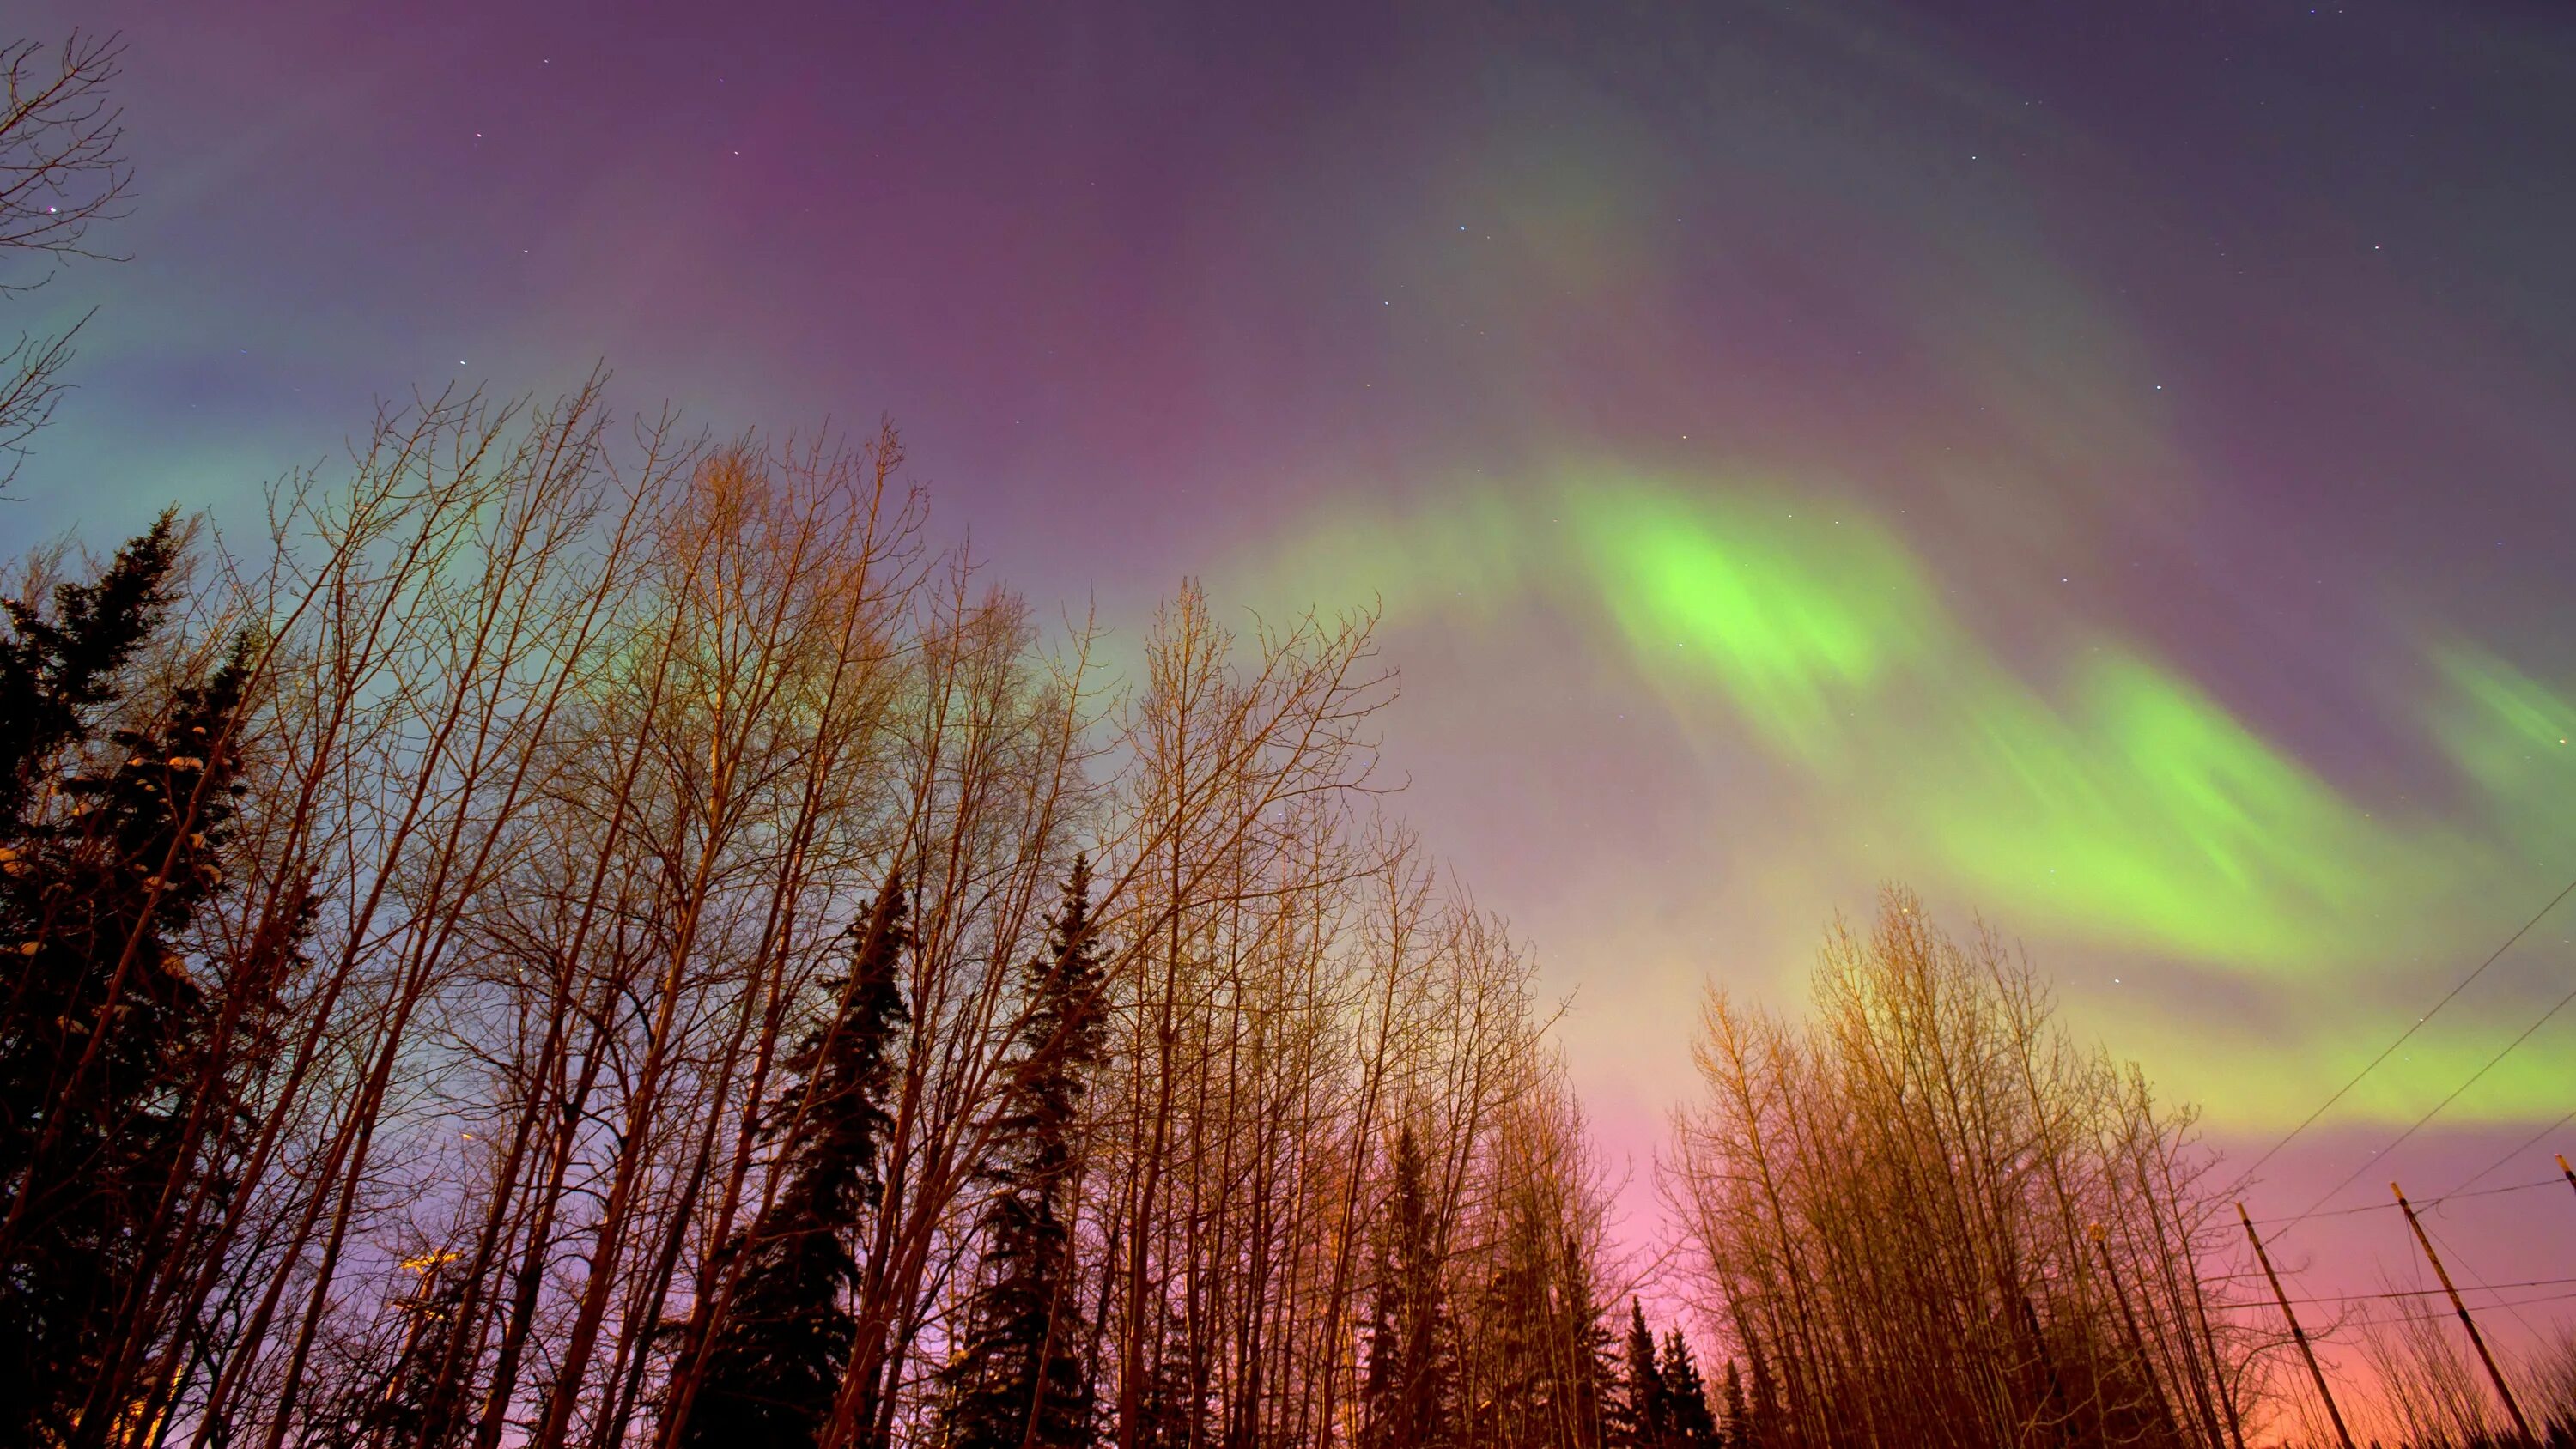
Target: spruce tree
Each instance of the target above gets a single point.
(1543, 1353)
(1733, 1430)
(1593, 1353)
(773, 1361)
(58, 671)
(1171, 1412)
(1647, 1418)
(1406, 1392)
(1686, 1395)
(402, 1408)
(1508, 1394)
(111, 838)
(1021, 1378)
(1381, 1342)
(1763, 1420)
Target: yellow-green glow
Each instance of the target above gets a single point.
(1471, 560)
(2504, 729)
(2145, 814)
(2087, 794)
(1794, 621)
(2266, 1072)
(2109, 799)
(2121, 804)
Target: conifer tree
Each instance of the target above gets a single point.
(1686, 1396)
(1763, 1421)
(402, 1409)
(1593, 1352)
(773, 1360)
(1170, 1410)
(1733, 1430)
(1509, 1388)
(1646, 1420)
(1021, 1380)
(109, 854)
(1406, 1391)
(58, 671)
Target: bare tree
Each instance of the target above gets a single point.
(1940, 1220)
(570, 759)
(62, 170)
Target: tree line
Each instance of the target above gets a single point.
(589, 937)
(1929, 1216)
(582, 934)
(581, 942)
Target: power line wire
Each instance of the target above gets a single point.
(2446, 1317)
(2462, 1259)
(2528, 1143)
(2402, 1038)
(2398, 1293)
(2437, 1107)
(2454, 1195)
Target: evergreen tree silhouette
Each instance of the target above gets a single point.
(1686, 1396)
(58, 671)
(1170, 1410)
(773, 1361)
(1763, 1426)
(111, 1088)
(1021, 1380)
(1734, 1425)
(1646, 1417)
(1594, 1352)
(403, 1408)
(1406, 1392)
(1529, 1382)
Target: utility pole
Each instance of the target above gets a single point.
(2565, 1171)
(2476, 1339)
(2297, 1334)
(2137, 1341)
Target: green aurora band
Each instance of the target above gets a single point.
(2116, 805)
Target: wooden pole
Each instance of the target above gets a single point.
(2565, 1171)
(2297, 1334)
(2137, 1341)
(2476, 1339)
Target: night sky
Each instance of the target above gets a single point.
(2106, 467)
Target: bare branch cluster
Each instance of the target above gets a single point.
(570, 756)
(62, 170)
(1936, 1221)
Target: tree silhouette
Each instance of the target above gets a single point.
(1022, 1379)
(1686, 1395)
(111, 838)
(1735, 1419)
(1763, 1428)
(1645, 1419)
(775, 1353)
(62, 168)
(1406, 1394)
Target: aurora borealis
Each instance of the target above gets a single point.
(2109, 472)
